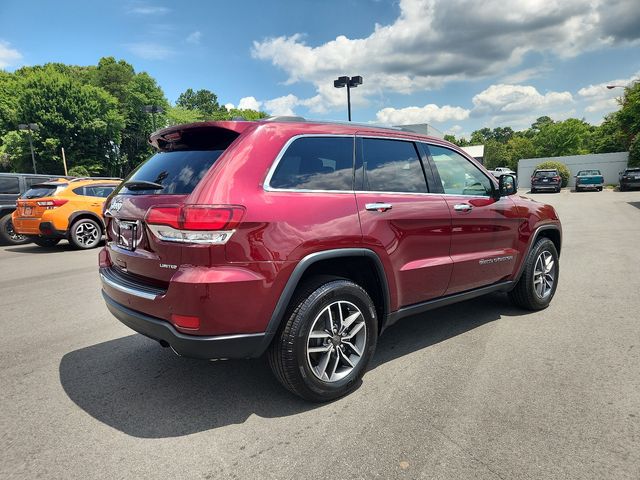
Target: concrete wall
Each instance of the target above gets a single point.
(610, 164)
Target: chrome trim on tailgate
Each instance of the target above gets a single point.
(112, 279)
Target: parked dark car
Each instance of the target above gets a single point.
(548, 179)
(306, 240)
(630, 178)
(12, 185)
(586, 179)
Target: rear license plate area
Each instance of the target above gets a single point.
(27, 211)
(127, 235)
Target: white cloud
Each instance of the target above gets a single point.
(433, 42)
(249, 103)
(8, 56)
(229, 106)
(149, 10)
(194, 38)
(150, 51)
(600, 98)
(505, 99)
(282, 105)
(430, 113)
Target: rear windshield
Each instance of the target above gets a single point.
(178, 172)
(552, 173)
(40, 191)
(632, 170)
(588, 172)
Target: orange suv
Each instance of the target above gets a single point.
(71, 209)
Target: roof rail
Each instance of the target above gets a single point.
(78, 179)
(284, 118)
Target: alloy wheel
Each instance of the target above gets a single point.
(336, 341)
(544, 274)
(87, 234)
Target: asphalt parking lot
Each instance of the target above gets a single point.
(475, 390)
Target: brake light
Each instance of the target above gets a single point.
(194, 223)
(557, 178)
(50, 204)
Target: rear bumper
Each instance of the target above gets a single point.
(630, 183)
(546, 186)
(35, 227)
(204, 347)
(589, 185)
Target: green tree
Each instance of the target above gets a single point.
(570, 137)
(634, 152)
(495, 154)
(82, 118)
(518, 148)
(203, 101)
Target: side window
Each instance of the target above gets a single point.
(392, 166)
(9, 185)
(102, 191)
(458, 175)
(316, 163)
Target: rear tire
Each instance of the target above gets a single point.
(599, 189)
(85, 233)
(327, 339)
(8, 235)
(46, 242)
(537, 284)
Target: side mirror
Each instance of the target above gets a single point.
(507, 185)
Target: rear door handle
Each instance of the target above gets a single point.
(378, 207)
(462, 207)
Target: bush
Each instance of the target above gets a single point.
(561, 167)
(634, 152)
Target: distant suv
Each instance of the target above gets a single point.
(64, 209)
(306, 240)
(546, 180)
(630, 178)
(12, 185)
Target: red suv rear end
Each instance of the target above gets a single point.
(305, 240)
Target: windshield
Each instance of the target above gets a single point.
(177, 173)
(547, 173)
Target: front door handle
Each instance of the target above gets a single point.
(462, 207)
(378, 207)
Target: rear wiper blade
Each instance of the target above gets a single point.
(143, 185)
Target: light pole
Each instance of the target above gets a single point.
(30, 127)
(153, 109)
(350, 83)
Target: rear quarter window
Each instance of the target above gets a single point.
(315, 163)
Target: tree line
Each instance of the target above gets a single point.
(96, 113)
(620, 131)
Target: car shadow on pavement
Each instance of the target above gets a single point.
(143, 390)
(33, 248)
(634, 204)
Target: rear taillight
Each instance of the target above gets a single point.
(49, 204)
(557, 179)
(194, 223)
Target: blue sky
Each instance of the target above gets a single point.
(457, 64)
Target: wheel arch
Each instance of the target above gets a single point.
(361, 265)
(552, 232)
(80, 214)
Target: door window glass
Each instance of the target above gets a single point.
(392, 166)
(458, 175)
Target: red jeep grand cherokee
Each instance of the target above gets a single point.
(306, 240)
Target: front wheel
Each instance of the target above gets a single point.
(46, 242)
(85, 233)
(327, 340)
(539, 280)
